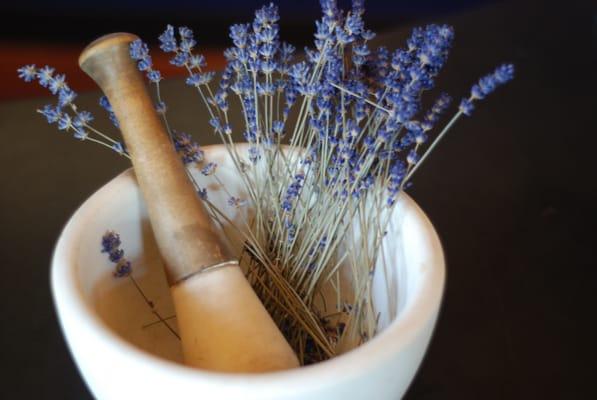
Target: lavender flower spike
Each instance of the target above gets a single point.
(111, 245)
(502, 74)
(140, 53)
(65, 114)
(189, 151)
(123, 268)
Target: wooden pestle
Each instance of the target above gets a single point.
(223, 325)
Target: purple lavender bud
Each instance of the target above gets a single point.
(117, 147)
(250, 136)
(368, 35)
(105, 104)
(299, 72)
(80, 134)
(265, 16)
(358, 7)
(185, 33)
(44, 75)
(329, 7)
(236, 202)
(188, 150)
(56, 83)
(412, 157)
(116, 255)
(286, 52)
(66, 96)
(354, 25)
(186, 46)
(200, 79)
(438, 108)
(180, 59)
(27, 73)
(82, 118)
(160, 107)
(487, 84)
(194, 153)
(216, 124)
(267, 67)
(254, 154)
(114, 120)
(267, 50)
(138, 50)
(181, 140)
(154, 76)
(123, 269)
(110, 241)
(238, 34)
(343, 37)
(167, 40)
(65, 122)
(52, 113)
(202, 193)
(209, 169)
(197, 61)
(278, 127)
(144, 64)
(268, 35)
(466, 107)
(293, 191)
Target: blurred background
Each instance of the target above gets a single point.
(54, 32)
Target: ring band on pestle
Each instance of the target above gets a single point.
(207, 268)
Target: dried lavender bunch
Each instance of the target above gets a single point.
(356, 131)
(359, 125)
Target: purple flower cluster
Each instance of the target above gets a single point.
(199, 79)
(56, 83)
(188, 150)
(236, 202)
(105, 104)
(111, 245)
(396, 177)
(432, 116)
(182, 49)
(202, 193)
(209, 169)
(293, 192)
(139, 52)
(379, 88)
(258, 67)
(368, 115)
(65, 113)
(486, 85)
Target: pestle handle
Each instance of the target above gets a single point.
(223, 325)
(180, 223)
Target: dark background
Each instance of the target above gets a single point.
(512, 193)
(54, 32)
(73, 20)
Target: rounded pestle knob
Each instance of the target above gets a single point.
(223, 325)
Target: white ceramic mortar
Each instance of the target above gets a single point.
(102, 317)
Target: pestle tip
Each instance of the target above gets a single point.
(105, 42)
